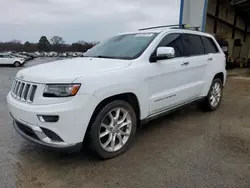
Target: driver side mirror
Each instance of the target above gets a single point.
(167, 52)
(163, 53)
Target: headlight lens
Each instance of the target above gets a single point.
(61, 90)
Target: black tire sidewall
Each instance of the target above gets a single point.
(216, 80)
(95, 127)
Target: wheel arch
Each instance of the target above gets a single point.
(16, 61)
(129, 97)
(209, 80)
(221, 76)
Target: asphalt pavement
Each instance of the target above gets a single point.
(188, 148)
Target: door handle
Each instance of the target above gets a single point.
(210, 59)
(186, 63)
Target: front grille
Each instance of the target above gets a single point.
(23, 91)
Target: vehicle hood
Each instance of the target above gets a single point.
(66, 71)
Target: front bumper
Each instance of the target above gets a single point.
(69, 130)
(35, 134)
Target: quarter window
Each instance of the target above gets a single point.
(209, 45)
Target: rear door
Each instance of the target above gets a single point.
(8, 59)
(216, 60)
(197, 62)
(211, 50)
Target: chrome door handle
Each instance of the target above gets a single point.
(210, 59)
(186, 63)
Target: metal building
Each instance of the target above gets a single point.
(230, 19)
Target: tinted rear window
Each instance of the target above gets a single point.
(192, 45)
(209, 45)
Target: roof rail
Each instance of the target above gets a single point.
(176, 26)
(187, 27)
(162, 26)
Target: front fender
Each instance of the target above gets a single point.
(141, 94)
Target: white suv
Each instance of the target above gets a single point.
(7, 59)
(120, 83)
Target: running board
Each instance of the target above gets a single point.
(170, 110)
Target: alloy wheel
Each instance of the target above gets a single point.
(115, 129)
(215, 95)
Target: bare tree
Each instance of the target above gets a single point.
(57, 40)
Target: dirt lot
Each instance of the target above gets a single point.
(188, 148)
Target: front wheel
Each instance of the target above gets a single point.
(17, 64)
(213, 99)
(113, 129)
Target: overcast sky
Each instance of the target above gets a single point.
(89, 20)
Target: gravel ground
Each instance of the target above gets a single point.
(188, 148)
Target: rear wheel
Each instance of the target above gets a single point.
(213, 99)
(113, 129)
(17, 64)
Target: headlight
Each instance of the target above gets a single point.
(61, 90)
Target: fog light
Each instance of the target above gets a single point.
(49, 119)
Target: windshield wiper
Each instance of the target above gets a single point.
(102, 56)
(107, 57)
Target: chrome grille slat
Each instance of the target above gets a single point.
(24, 87)
(26, 92)
(20, 90)
(17, 89)
(23, 91)
(13, 85)
(14, 88)
(29, 93)
(33, 91)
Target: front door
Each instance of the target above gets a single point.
(2, 60)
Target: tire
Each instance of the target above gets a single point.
(16, 64)
(102, 125)
(212, 102)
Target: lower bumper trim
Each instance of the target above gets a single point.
(70, 147)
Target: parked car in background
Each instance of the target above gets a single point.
(53, 54)
(38, 54)
(60, 54)
(21, 55)
(7, 59)
(80, 54)
(29, 55)
(72, 54)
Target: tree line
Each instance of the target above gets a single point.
(56, 44)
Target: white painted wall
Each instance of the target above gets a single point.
(193, 12)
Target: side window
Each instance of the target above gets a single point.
(1, 56)
(192, 45)
(174, 41)
(209, 45)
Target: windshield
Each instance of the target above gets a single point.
(128, 46)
